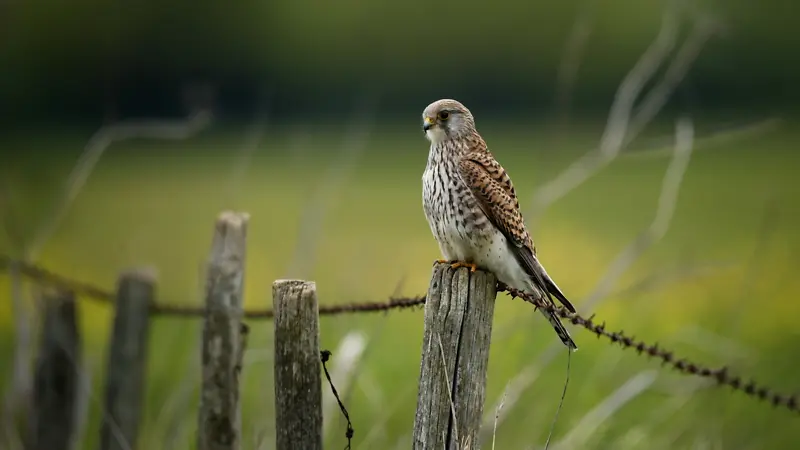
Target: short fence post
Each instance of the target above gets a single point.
(455, 354)
(57, 376)
(298, 386)
(124, 392)
(223, 330)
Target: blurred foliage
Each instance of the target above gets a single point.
(311, 55)
(154, 202)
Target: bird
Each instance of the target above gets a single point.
(472, 209)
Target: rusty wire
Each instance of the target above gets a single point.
(94, 292)
(46, 276)
(324, 310)
(682, 365)
(720, 375)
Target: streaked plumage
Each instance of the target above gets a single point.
(472, 208)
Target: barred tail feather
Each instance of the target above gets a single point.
(550, 286)
(542, 282)
(562, 332)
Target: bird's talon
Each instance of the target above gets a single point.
(457, 264)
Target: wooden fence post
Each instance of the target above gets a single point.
(455, 354)
(223, 343)
(298, 387)
(57, 376)
(127, 358)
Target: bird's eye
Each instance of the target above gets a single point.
(443, 115)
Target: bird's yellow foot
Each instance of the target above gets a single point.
(457, 264)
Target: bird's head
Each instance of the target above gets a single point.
(447, 119)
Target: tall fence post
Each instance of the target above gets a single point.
(455, 354)
(127, 358)
(223, 330)
(298, 387)
(57, 376)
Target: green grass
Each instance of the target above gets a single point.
(152, 202)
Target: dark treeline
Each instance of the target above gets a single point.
(93, 58)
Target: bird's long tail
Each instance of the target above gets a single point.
(542, 282)
(562, 332)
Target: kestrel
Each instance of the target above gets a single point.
(473, 212)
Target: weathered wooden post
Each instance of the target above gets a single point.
(57, 376)
(223, 331)
(127, 358)
(298, 387)
(455, 354)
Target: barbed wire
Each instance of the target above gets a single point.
(682, 365)
(81, 288)
(720, 375)
(40, 274)
(324, 310)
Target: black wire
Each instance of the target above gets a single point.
(561, 402)
(325, 356)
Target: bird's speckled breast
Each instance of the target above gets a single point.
(452, 212)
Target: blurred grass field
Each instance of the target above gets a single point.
(154, 202)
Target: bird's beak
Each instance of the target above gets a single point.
(427, 123)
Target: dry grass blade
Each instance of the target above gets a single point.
(619, 117)
(703, 30)
(668, 199)
(454, 418)
(711, 342)
(179, 404)
(511, 395)
(580, 434)
(98, 144)
(637, 437)
(571, 61)
(313, 216)
(663, 278)
(497, 415)
(666, 207)
(663, 146)
(624, 125)
(253, 137)
(379, 429)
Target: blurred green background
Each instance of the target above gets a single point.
(316, 133)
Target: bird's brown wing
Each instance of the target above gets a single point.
(492, 188)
